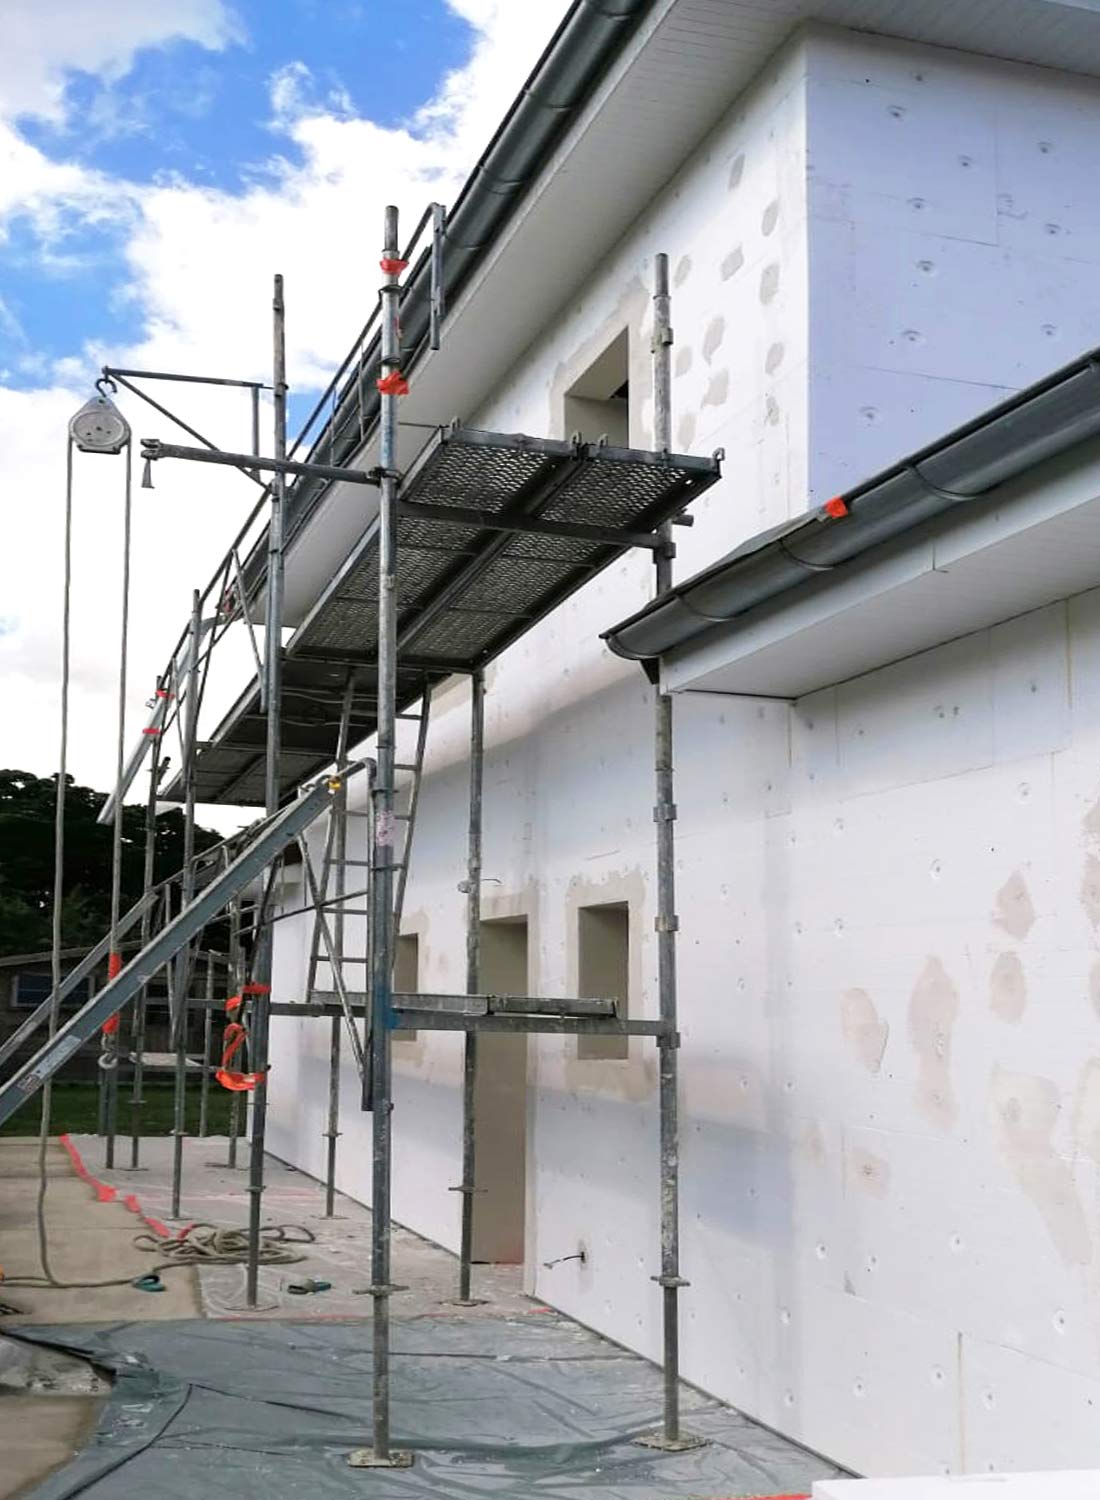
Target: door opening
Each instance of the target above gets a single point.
(500, 1104)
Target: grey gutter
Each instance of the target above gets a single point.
(962, 469)
(590, 37)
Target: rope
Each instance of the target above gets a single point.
(208, 1245)
(198, 1245)
(58, 861)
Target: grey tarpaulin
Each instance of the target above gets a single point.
(502, 1407)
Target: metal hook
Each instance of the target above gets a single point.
(147, 475)
(111, 387)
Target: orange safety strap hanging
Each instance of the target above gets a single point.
(114, 969)
(235, 1037)
(393, 384)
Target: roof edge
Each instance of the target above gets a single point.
(966, 467)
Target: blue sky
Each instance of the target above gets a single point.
(159, 162)
(184, 110)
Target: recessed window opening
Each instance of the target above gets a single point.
(598, 404)
(406, 975)
(603, 971)
(500, 1103)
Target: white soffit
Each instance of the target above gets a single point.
(673, 83)
(1062, 1484)
(1038, 544)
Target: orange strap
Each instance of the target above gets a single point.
(114, 969)
(235, 1037)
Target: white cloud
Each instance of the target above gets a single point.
(49, 40)
(200, 263)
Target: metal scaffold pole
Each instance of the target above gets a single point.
(141, 1003)
(339, 829)
(671, 1436)
(207, 1044)
(473, 979)
(234, 979)
(183, 966)
(391, 386)
(273, 696)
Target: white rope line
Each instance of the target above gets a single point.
(58, 858)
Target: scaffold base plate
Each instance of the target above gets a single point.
(366, 1458)
(682, 1444)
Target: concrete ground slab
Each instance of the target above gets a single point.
(38, 1435)
(88, 1241)
(214, 1193)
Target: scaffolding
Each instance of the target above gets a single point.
(479, 539)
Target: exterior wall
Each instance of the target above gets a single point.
(580, 736)
(888, 1147)
(954, 241)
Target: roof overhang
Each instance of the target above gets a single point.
(974, 567)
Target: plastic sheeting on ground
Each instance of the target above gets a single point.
(531, 1406)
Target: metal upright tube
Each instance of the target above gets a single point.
(273, 651)
(179, 1112)
(190, 737)
(468, 1187)
(340, 854)
(256, 427)
(181, 970)
(439, 229)
(207, 1042)
(234, 980)
(667, 923)
(141, 1004)
(114, 962)
(384, 854)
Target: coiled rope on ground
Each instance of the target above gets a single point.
(197, 1245)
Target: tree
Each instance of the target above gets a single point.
(27, 805)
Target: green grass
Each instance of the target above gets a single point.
(75, 1110)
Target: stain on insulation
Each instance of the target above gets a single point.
(1025, 1110)
(1091, 824)
(933, 1011)
(1090, 890)
(769, 282)
(1086, 1111)
(712, 339)
(865, 1033)
(1013, 908)
(868, 1173)
(1008, 987)
(732, 263)
(717, 389)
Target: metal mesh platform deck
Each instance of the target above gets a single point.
(534, 520)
